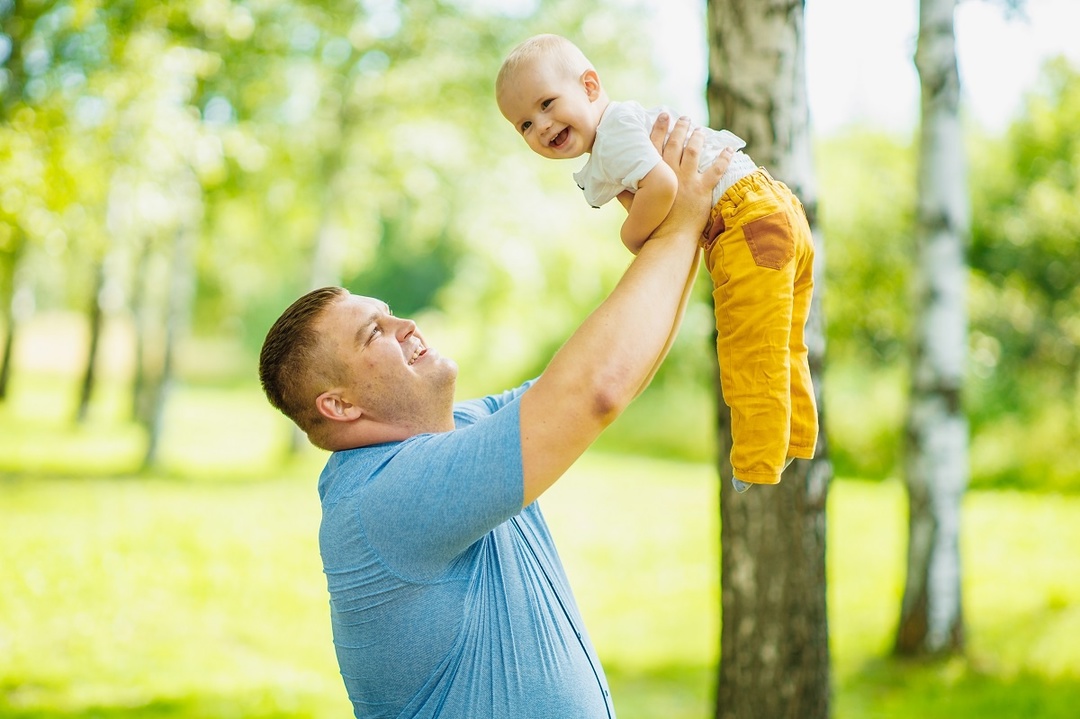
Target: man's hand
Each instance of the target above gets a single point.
(694, 196)
(615, 352)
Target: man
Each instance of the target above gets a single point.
(447, 596)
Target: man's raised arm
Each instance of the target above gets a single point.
(607, 361)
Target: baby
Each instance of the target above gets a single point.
(758, 247)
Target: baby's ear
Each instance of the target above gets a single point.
(590, 80)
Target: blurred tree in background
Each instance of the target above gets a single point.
(1022, 393)
(190, 167)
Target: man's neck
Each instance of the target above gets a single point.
(365, 433)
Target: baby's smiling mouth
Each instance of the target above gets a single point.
(560, 139)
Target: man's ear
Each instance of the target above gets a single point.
(590, 80)
(334, 407)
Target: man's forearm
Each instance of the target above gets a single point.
(683, 302)
(620, 345)
(610, 358)
(655, 195)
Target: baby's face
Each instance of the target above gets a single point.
(555, 114)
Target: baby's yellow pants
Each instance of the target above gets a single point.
(760, 254)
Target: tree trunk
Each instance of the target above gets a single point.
(325, 268)
(178, 310)
(96, 317)
(7, 301)
(8, 350)
(774, 645)
(936, 461)
(326, 250)
(17, 301)
(142, 321)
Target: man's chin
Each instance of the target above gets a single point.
(448, 371)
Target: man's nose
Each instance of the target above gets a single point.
(404, 328)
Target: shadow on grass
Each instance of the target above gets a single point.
(954, 689)
(883, 689)
(15, 705)
(671, 691)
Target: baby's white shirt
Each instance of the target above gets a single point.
(622, 153)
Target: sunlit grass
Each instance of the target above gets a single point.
(121, 594)
(206, 431)
(196, 591)
(147, 598)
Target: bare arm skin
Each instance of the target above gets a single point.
(721, 163)
(609, 359)
(650, 205)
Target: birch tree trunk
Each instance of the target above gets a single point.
(774, 645)
(96, 317)
(9, 294)
(140, 403)
(181, 293)
(936, 461)
(9, 322)
(326, 250)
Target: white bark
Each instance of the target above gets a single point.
(936, 468)
(774, 634)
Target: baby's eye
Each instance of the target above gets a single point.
(545, 103)
(525, 126)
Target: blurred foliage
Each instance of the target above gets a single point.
(358, 142)
(1022, 392)
(1025, 394)
(305, 142)
(867, 183)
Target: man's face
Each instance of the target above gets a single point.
(387, 369)
(555, 114)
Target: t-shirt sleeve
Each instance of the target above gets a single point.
(627, 152)
(441, 492)
(473, 410)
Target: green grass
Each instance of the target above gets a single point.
(196, 591)
(142, 598)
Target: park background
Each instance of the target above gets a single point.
(170, 166)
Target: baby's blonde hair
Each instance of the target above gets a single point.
(547, 48)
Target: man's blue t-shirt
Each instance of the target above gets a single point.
(447, 599)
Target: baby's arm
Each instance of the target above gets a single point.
(650, 205)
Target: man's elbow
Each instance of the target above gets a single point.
(609, 397)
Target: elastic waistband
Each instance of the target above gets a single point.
(735, 194)
(759, 177)
(741, 167)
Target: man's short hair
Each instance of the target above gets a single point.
(292, 364)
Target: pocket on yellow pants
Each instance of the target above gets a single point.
(770, 240)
